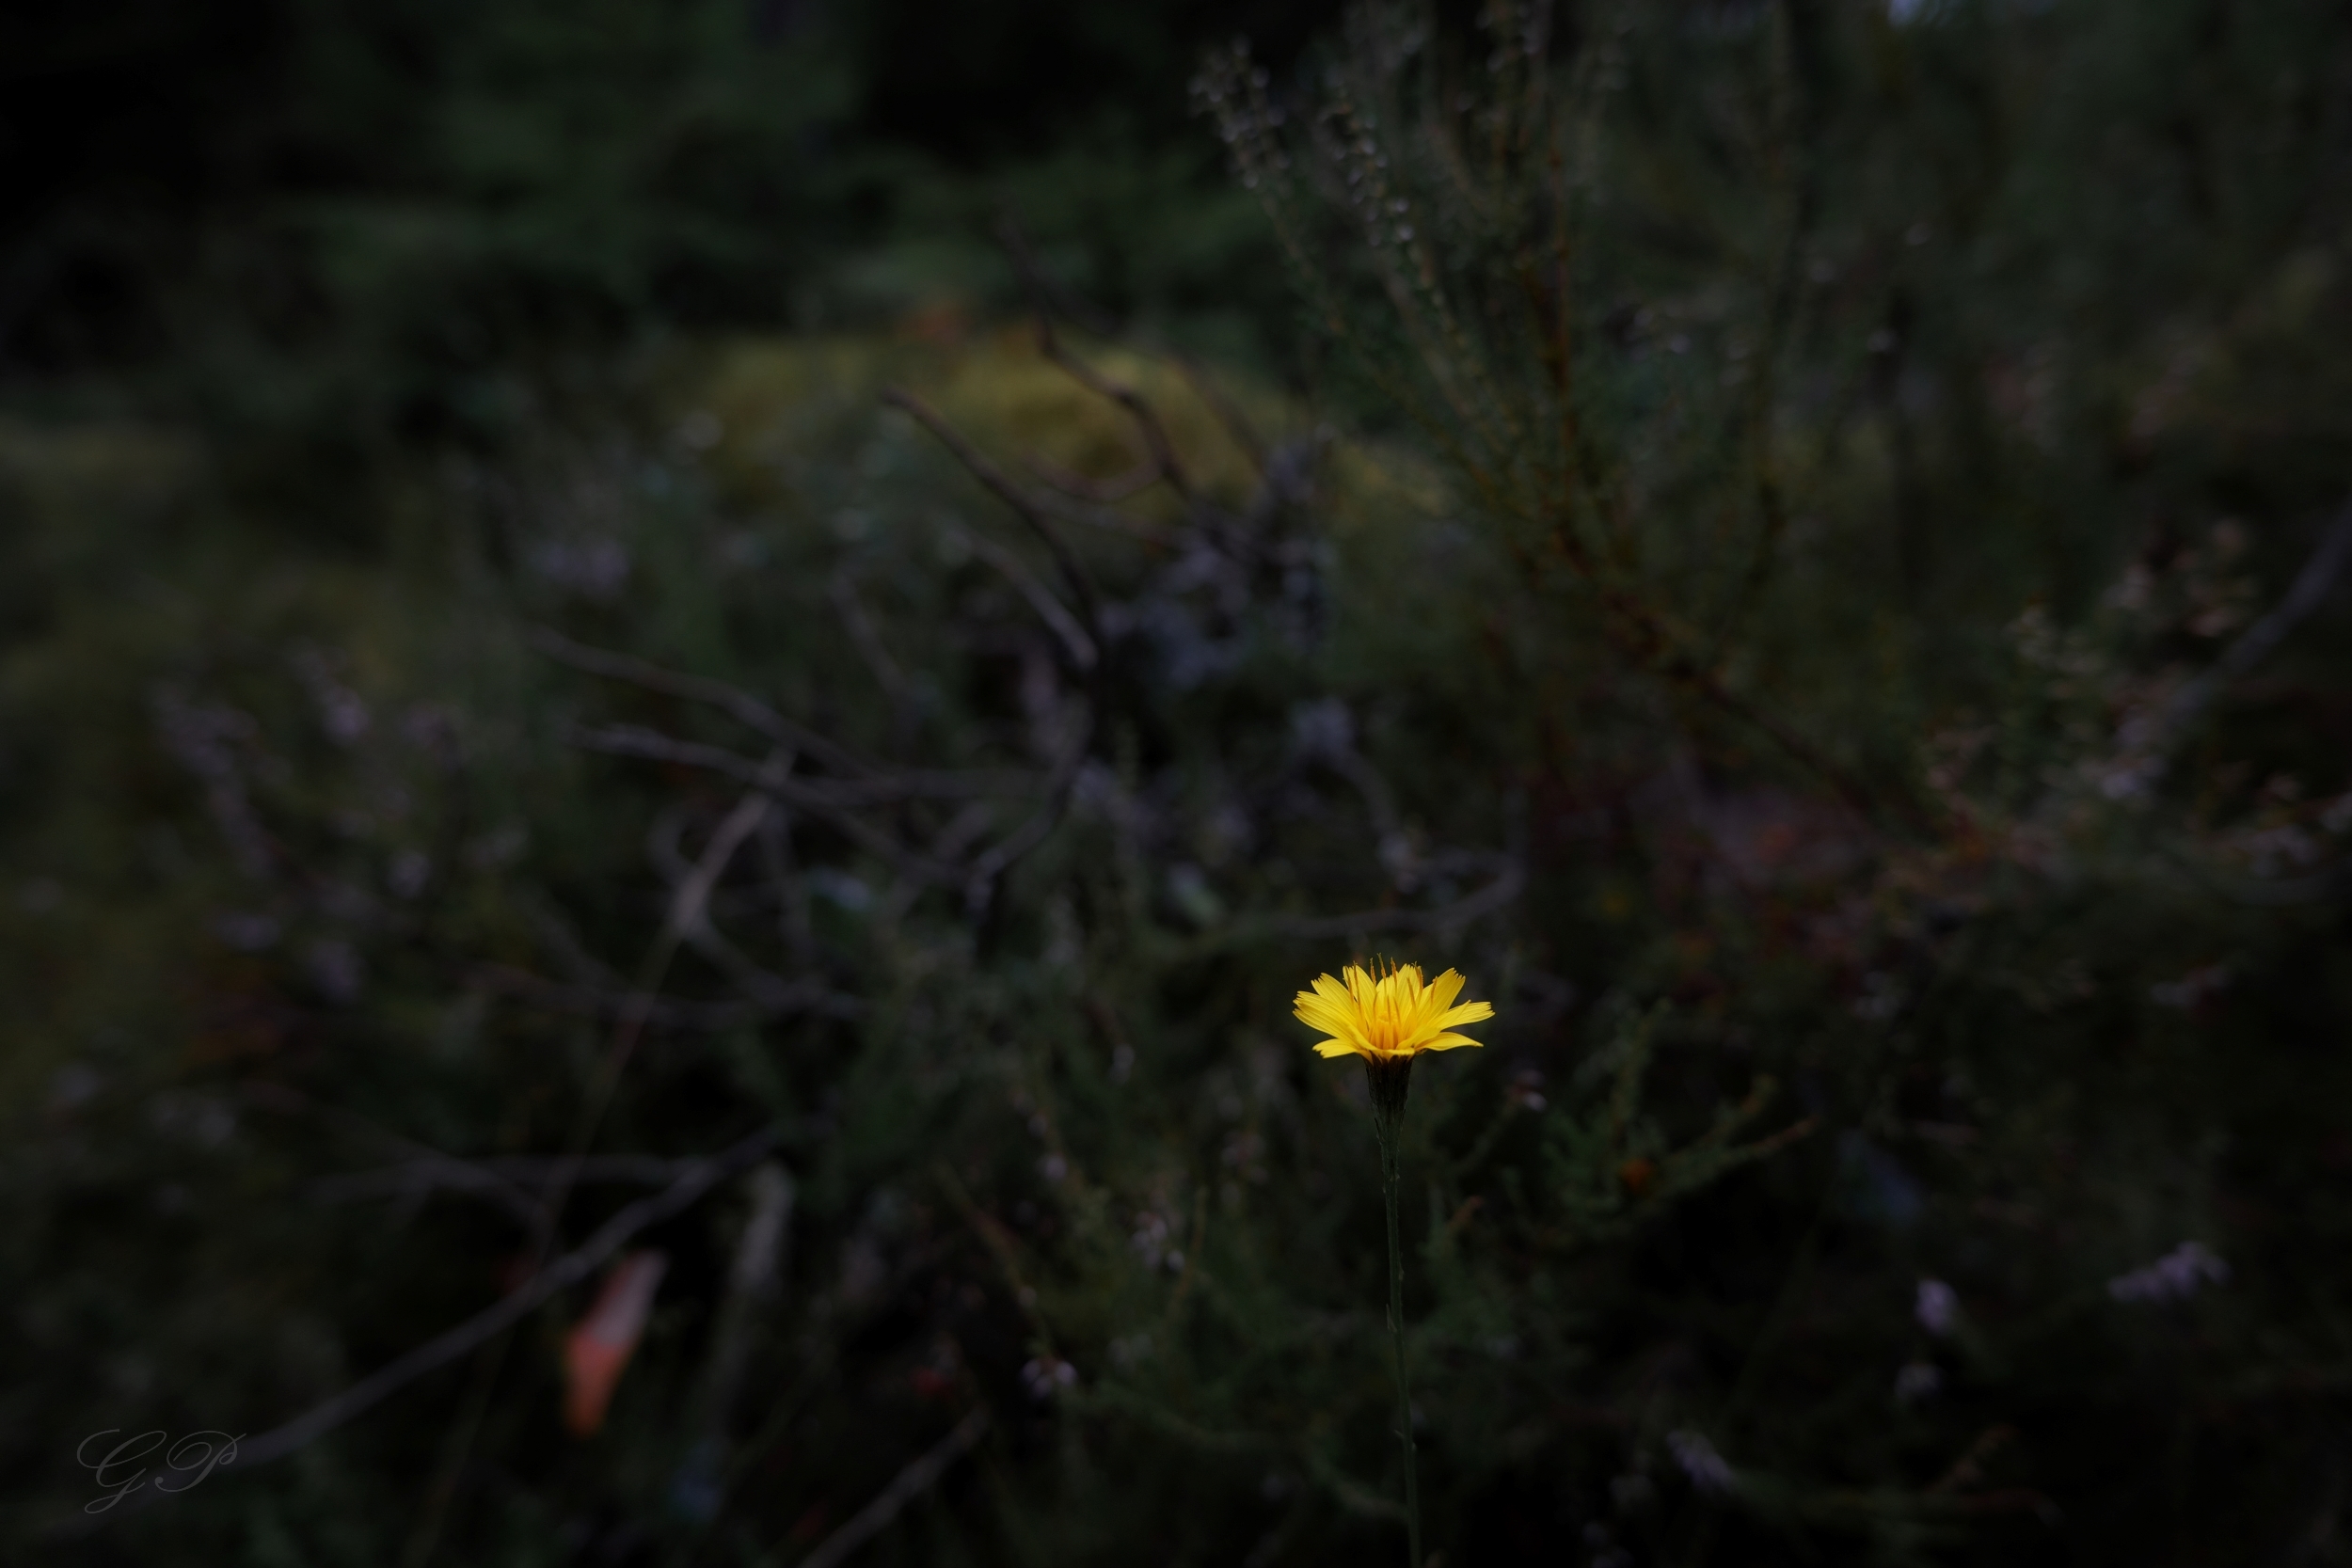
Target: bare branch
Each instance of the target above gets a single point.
(668, 1012)
(689, 919)
(1049, 298)
(772, 993)
(1106, 492)
(885, 788)
(736, 703)
(759, 1253)
(791, 892)
(1139, 408)
(483, 1178)
(1494, 895)
(1351, 1494)
(689, 906)
(2309, 591)
(1029, 834)
(420, 1176)
(1506, 887)
(1237, 424)
(565, 1272)
(864, 637)
(1049, 610)
(909, 1484)
(495, 1176)
(629, 740)
(1003, 488)
(1071, 509)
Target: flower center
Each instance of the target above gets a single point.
(1384, 1025)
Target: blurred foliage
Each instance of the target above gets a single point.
(330, 227)
(1800, 554)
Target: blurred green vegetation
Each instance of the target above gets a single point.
(1797, 544)
(348, 223)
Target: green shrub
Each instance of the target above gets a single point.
(1817, 617)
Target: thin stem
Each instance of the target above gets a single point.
(1389, 1183)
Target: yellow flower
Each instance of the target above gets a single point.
(1391, 1017)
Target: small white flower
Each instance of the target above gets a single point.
(1938, 1308)
(1701, 1463)
(1046, 1375)
(2174, 1276)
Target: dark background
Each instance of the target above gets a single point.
(1957, 385)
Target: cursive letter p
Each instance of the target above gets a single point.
(211, 1457)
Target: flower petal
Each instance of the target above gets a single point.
(1316, 1013)
(1468, 1012)
(1423, 1017)
(1332, 991)
(1346, 1038)
(1450, 1043)
(1336, 1047)
(1444, 989)
(1307, 1008)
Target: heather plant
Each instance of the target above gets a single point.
(735, 1008)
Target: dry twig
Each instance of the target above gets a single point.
(909, 1484)
(687, 1188)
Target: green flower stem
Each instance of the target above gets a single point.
(1389, 1077)
(1390, 1180)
